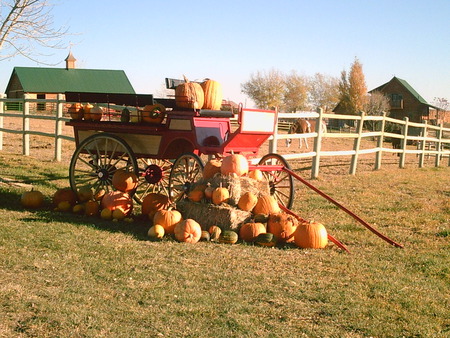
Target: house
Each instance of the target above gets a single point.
(47, 83)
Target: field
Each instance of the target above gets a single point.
(65, 275)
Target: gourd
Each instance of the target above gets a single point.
(154, 202)
(220, 195)
(91, 208)
(209, 191)
(266, 205)
(106, 214)
(247, 201)
(282, 226)
(249, 231)
(311, 235)
(32, 199)
(87, 111)
(125, 181)
(211, 168)
(125, 115)
(167, 218)
(212, 91)
(64, 195)
(156, 231)
(215, 232)
(205, 237)
(189, 95)
(117, 199)
(188, 231)
(234, 164)
(76, 111)
(96, 113)
(153, 113)
(228, 237)
(265, 239)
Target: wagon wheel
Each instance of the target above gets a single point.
(187, 169)
(153, 177)
(97, 158)
(281, 184)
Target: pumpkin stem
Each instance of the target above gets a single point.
(185, 79)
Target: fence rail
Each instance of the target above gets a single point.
(431, 140)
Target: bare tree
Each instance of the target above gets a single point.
(27, 25)
(265, 89)
(323, 92)
(375, 104)
(296, 94)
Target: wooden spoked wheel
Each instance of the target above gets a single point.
(96, 159)
(153, 177)
(187, 169)
(281, 184)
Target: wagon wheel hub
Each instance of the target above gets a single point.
(153, 174)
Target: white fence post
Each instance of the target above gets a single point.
(357, 145)
(274, 141)
(404, 143)
(58, 128)
(379, 155)
(2, 111)
(317, 145)
(439, 146)
(423, 144)
(26, 126)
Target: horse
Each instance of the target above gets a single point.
(303, 126)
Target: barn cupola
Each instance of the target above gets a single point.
(70, 61)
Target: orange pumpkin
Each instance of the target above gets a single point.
(195, 195)
(64, 195)
(113, 200)
(91, 208)
(189, 95)
(266, 205)
(282, 226)
(87, 111)
(76, 111)
(32, 199)
(211, 168)
(215, 232)
(256, 174)
(153, 113)
(249, 231)
(220, 195)
(188, 231)
(167, 219)
(234, 164)
(213, 94)
(124, 180)
(154, 202)
(311, 235)
(247, 201)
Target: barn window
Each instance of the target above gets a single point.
(41, 105)
(396, 101)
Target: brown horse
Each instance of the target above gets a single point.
(303, 126)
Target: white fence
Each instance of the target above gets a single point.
(431, 140)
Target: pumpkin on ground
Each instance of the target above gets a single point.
(249, 231)
(153, 113)
(125, 181)
(188, 231)
(117, 199)
(32, 199)
(212, 91)
(84, 194)
(64, 195)
(266, 205)
(215, 232)
(211, 168)
(266, 239)
(282, 226)
(234, 164)
(247, 201)
(156, 231)
(228, 237)
(189, 95)
(154, 202)
(91, 208)
(205, 237)
(311, 235)
(220, 195)
(167, 218)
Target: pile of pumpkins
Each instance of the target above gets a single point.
(87, 112)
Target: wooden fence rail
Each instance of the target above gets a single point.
(431, 140)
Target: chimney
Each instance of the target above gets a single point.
(70, 61)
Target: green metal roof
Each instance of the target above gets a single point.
(60, 80)
(407, 86)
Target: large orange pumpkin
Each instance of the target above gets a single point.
(213, 94)
(113, 200)
(188, 231)
(64, 195)
(153, 113)
(247, 201)
(266, 205)
(234, 164)
(167, 219)
(124, 180)
(282, 226)
(154, 202)
(189, 95)
(311, 235)
(249, 231)
(211, 168)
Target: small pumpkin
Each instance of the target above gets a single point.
(247, 201)
(124, 181)
(188, 231)
(209, 191)
(32, 199)
(167, 218)
(220, 195)
(76, 111)
(256, 174)
(266, 239)
(211, 168)
(215, 232)
(156, 231)
(195, 195)
(266, 204)
(228, 237)
(249, 231)
(153, 202)
(311, 235)
(189, 95)
(234, 164)
(153, 113)
(87, 111)
(282, 226)
(96, 113)
(205, 237)
(212, 91)
(78, 209)
(64, 195)
(118, 214)
(91, 208)
(113, 200)
(106, 214)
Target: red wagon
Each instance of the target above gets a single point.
(167, 157)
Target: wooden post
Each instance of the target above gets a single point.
(356, 145)
(404, 143)
(438, 146)
(273, 143)
(379, 156)
(317, 146)
(26, 126)
(423, 145)
(2, 111)
(59, 127)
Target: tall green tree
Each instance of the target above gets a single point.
(353, 89)
(265, 89)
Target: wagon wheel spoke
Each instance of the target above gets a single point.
(187, 169)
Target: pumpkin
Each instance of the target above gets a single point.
(167, 219)
(189, 95)
(124, 180)
(282, 226)
(76, 111)
(106, 214)
(78, 209)
(91, 208)
(249, 231)
(32, 199)
(205, 237)
(153, 113)
(211, 168)
(215, 232)
(118, 214)
(311, 235)
(209, 191)
(154, 202)
(220, 195)
(228, 237)
(84, 194)
(113, 200)
(265, 239)
(212, 91)
(195, 195)
(87, 111)
(96, 113)
(156, 231)
(247, 201)
(234, 164)
(64, 195)
(98, 194)
(266, 205)
(188, 231)
(125, 115)
(64, 206)
(256, 174)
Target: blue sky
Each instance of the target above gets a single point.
(229, 40)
